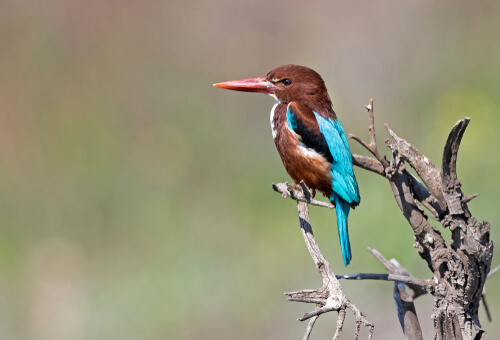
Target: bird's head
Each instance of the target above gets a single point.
(287, 83)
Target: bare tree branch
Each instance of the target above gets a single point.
(429, 242)
(285, 193)
(453, 193)
(485, 305)
(310, 326)
(460, 269)
(493, 271)
(424, 167)
(372, 147)
(407, 313)
(330, 296)
(405, 308)
(410, 280)
(369, 164)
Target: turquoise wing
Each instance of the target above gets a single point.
(343, 180)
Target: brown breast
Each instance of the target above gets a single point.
(302, 164)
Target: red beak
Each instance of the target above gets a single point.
(258, 84)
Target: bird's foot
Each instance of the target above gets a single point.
(300, 187)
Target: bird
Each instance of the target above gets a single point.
(309, 138)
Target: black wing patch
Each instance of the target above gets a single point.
(305, 125)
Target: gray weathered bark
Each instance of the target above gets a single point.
(459, 269)
(330, 296)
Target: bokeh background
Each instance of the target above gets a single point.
(136, 199)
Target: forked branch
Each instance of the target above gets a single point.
(461, 268)
(330, 296)
(372, 147)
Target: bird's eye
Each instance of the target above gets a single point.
(287, 81)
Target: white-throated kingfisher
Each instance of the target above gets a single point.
(309, 137)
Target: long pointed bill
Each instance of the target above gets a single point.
(258, 84)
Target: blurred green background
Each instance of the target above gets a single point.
(136, 198)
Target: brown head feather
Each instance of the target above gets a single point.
(301, 84)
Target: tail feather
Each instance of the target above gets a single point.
(342, 209)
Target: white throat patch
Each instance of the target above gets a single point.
(273, 130)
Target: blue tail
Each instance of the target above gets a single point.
(342, 209)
